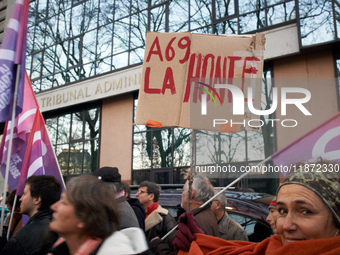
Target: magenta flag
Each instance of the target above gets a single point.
(12, 53)
(22, 126)
(39, 158)
(322, 141)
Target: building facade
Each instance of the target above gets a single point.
(84, 59)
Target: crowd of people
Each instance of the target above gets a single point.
(96, 215)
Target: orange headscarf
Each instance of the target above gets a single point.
(210, 245)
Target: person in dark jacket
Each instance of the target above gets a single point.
(127, 217)
(158, 221)
(35, 237)
(136, 206)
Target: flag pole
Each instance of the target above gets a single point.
(9, 151)
(218, 193)
(12, 214)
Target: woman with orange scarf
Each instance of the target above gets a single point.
(308, 222)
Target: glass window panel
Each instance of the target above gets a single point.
(200, 14)
(104, 46)
(207, 147)
(316, 22)
(227, 27)
(121, 36)
(87, 70)
(90, 156)
(53, 8)
(48, 63)
(73, 75)
(271, 2)
(51, 127)
(162, 177)
(203, 30)
(182, 147)
(139, 128)
(224, 8)
(58, 80)
(157, 19)
(136, 56)
(140, 176)
(92, 118)
(255, 145)
(28, 63)
(252, 21)
(32, 14)
(138, 29)
(77, 126)
(120, 60)
(141, 152)
(103, 65)
(61, 56)
(162, 149)
(74, 53)
(76, 158)
(246, 6)
(42, 6)
(89, 46)
(122, 9)
(65, 5)
(39, 39)
(64, 123)
(138, 5)
(62, 153)
(51, 31)
(77, 21)
(46, 83)
(36, 85)
(91, 15)
(233, 147)
(106, 10)
(178, 16)
(281, 13)
(64, 25)
(30, 40)
(36, 65)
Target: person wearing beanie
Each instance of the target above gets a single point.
(127, 217)
(272, 216)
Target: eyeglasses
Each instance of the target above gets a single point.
(141, 191)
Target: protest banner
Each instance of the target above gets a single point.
(179, 68)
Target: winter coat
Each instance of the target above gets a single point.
(206, 220)
(139, 211)
(159, 223)
(34, 238)
(127, 217)
(231, 230)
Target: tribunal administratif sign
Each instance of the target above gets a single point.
(90, 90)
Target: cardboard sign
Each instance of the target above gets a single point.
(180, 76)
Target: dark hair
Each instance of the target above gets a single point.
(10, 199)
(95, 205)
(152, 188)
(47, 187)
(127, 190)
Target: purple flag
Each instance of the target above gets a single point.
(39, 158)
(22, 126)
(13, 52)
(322, 141)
